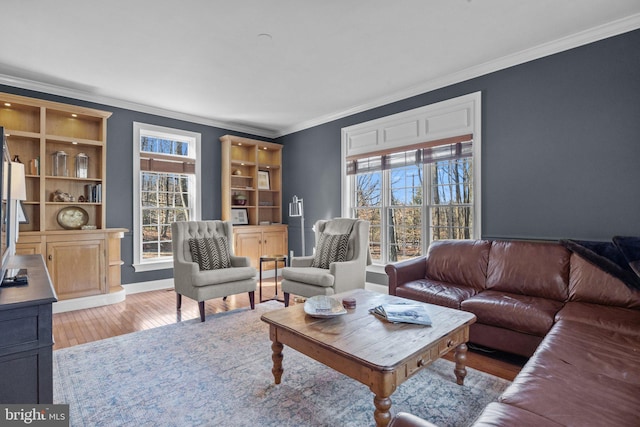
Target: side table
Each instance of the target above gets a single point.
(275, 259)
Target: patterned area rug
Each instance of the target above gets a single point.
(219, 373)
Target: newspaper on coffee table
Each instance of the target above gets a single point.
(403, 313)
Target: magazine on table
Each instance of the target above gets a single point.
(403, 313)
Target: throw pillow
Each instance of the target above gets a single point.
(211, 253)
(330, 248)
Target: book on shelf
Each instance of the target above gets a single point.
(34, 166)
(403, 313)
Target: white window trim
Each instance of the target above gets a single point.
(138, 264)
(453, 117)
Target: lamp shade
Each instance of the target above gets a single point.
(295, 207)
(18, 182)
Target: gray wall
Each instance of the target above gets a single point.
(560, 154)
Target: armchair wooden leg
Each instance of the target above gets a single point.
(201, 307)
(252, 299)
(178, 301)
(286, 299)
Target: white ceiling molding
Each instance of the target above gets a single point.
(120, 103)
(575, 40)
(610, 29)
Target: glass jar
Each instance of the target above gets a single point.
(59, 164)
(82, 165)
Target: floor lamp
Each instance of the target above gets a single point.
(296, 209)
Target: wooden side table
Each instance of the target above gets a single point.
(275, 259)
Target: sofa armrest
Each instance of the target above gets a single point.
(240, 261)
(348, 275)
(301, 261)
(404, 419)
(182, 274)
(405, 271)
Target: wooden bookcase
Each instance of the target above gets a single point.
(81, 262)
(253, 169)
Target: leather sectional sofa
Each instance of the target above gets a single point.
(579, 325)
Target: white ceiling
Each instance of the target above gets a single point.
(271, 67)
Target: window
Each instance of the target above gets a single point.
(413, 197)
(166, 176)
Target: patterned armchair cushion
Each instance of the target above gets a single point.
(330, 248)
(211, 253)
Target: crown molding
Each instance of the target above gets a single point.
(129, 105)
(591, 35)
(582, 38)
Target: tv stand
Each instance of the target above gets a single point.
(26, 340)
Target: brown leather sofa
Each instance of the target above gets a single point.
(580, 325)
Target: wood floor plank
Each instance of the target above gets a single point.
(158, 308)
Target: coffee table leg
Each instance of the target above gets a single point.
(276, 356)
(460, 356)
(382, 415)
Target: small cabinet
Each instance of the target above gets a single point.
(77, 267)
(81, 263)
(256, 241)
(26, 339)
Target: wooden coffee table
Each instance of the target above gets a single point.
(379, 354)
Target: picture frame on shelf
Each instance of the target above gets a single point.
(263, 180)
(239, 216)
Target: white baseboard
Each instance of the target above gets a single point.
(88, 302)
(152, 285)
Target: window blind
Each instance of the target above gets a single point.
(456, 147)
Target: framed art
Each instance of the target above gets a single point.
(239, 216)
(263, 180)
(22, 216)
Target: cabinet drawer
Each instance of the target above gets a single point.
(18, 328)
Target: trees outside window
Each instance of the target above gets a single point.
(412, 203)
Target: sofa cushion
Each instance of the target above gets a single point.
(591, 349)
(497, 414)
(560, 392)
(522, 313)
(463, 262)
(434, 292)
(605, 317)
(588, 283)
(330, 248)
(608, 257)
(581, 375)
(309, 275)
(210, 253)
(224, 275)
(529, 268)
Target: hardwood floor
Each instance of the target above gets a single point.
(158, 308)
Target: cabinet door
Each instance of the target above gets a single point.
(274, 243)
(77, 268)
(249, 245)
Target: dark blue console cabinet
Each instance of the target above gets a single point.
(26, 340)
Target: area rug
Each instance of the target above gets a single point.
(218, 373)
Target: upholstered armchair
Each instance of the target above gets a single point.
(204, 266)
(338, 265)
